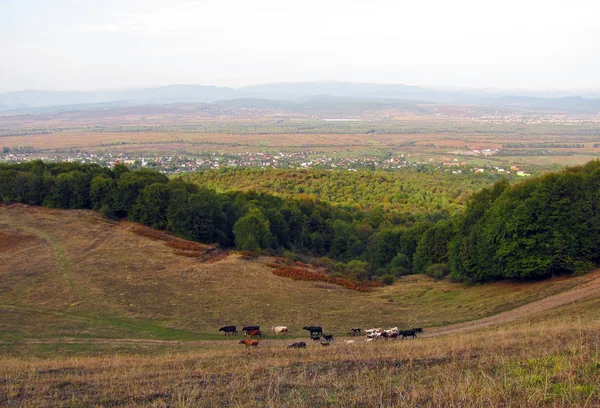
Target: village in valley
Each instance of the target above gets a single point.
(457, 161)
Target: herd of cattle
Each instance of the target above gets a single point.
(316, 334)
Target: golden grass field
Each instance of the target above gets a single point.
(72, 273)
(94, 314)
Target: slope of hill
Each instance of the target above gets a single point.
(73, 274)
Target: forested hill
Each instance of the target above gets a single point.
(535, 229)
(416, 193)
(542, 227)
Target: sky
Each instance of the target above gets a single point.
(113, 44)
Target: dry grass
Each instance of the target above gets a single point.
(63, 273)
(77, 275)
(526, 366)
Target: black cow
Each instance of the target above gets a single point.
(247, 329)
(418, 330)
(300, 344)
(408, 333)
(315, 338)
(313, 330)
(355, 331)
(228, 330)
(328, 337)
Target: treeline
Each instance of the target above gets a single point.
(349, 240)
(422, 126)
(544, 146)
(536, 229)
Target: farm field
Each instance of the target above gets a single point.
(191, 131)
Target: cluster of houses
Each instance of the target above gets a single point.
(531, 118)
(177, 164)
(173, 164)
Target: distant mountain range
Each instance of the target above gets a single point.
(294, 94)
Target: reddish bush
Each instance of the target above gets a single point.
(181, 247)
(311, 276)
(248, 255)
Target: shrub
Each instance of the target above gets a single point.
(324, 262)
(310, 276)
(249, 254)
(400, 271)
(437, 271)
(340, 267)
(388, 279)
(108, 212)
(579, 268)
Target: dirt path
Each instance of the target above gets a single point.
(589, 288)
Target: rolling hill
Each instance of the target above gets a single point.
(73, 274)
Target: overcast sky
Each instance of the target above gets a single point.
(83, 45)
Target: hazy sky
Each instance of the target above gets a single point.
(81, 44)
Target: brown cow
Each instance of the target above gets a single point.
(253, 333)
(250, 342)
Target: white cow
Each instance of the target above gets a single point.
(373, 333)
(279, 329)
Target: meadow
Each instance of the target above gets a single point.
(551, 363)
(99, 313)
(75, 274)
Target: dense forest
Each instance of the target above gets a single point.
(416, 191)
(541, 227)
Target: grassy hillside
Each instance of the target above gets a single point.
(551, 363)
(85, 303)
(74, 274)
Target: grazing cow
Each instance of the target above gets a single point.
(246, 329)
(253, 333)
(390, 335)
(408, 333)
(250, 343)
(314, 329)
(228, 330)
(316, 338)
(328, 337)
(373, 333)
(300, 344)
(418, 330)
(279, 329)
(325, 344)
(355, 331)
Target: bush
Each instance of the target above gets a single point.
(437, 271)
(400, 271)
(324, 262)
(293, 256)
(108, 212)
(339, 267)
(388, 279)
(580, 268)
